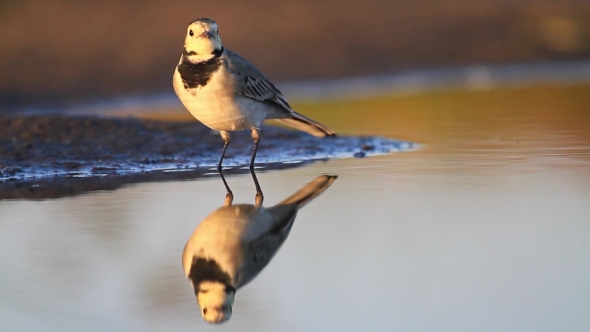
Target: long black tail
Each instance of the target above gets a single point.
(307, 125)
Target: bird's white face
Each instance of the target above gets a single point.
(215, 302)
(202, 40)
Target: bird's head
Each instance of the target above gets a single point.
(202, 41)
(215, 300)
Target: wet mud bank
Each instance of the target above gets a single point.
(49, 156)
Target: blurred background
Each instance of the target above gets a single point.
(67, 52)
(484, 227)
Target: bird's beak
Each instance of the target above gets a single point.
(206, 34)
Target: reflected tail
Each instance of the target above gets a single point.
(310, 191)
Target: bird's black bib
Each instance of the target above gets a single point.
(207, 269)
(196, 75)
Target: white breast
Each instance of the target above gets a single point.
(225, 236)
(217, 106)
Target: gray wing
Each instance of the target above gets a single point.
(262, 249)
(251, 83)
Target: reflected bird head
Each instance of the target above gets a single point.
(202, 41)
(215, 301)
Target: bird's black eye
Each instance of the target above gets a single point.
(190, 32)
(205, 311)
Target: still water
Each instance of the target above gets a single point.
(485, 228)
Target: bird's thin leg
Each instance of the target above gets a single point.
(226, 138)
(259, 195)
(256, 138)
(229, 197)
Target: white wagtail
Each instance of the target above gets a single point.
(226, 92)
(235, 242)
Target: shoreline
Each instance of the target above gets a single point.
(47, 156)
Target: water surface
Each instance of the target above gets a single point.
(485, 228)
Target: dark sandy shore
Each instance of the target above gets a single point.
(49, 156)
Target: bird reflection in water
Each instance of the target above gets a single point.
(235, 242)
